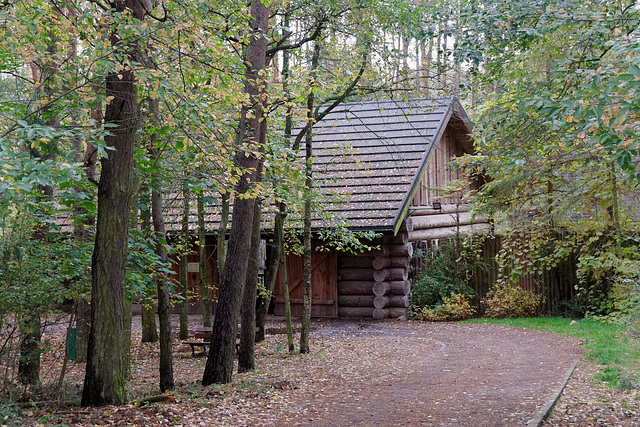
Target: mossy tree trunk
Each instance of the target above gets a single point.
(270, 275)
(221, 247)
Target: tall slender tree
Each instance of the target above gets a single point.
(219, 366)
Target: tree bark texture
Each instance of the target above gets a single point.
(148, 320)
(108, 350)
(219, 366)
(246, 357)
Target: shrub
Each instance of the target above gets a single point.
(438, 279)
(454, 307)
(509, 300)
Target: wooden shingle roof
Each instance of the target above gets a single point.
(369, 155)
(373, 155)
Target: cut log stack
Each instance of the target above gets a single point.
(375, 284)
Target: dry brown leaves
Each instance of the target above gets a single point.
(589, 402)
(293, 388)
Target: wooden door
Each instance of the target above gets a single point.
(324, 285)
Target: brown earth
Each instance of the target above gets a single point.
(445, 375)
(358, 373)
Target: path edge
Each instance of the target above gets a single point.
(543, 413)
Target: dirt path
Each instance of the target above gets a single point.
(357, 374)
(448, 375)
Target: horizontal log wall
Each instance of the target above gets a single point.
(376, 280)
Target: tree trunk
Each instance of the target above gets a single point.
(221, 249)
(29, 363)
(164, 302)
(108, 350)
(164, 299)
(306, 312)
(184, 260)
(287, 299)
(270, 275)
(246, 357)
(148, 315)
(83, 328)
(148, 320)
(202, 251)
(277, 251)
(219, 366)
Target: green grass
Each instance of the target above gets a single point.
(606, 344)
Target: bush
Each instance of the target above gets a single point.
(454, 307)
(509, 301)
(438, 280)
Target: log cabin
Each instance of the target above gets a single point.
(384, 161)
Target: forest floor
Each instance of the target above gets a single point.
(365, 373)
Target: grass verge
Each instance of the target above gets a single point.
(606, 344)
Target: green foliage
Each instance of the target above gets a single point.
(509, 301)
(454, 307)
(438, 279)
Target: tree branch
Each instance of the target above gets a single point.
(338, 100)
(278, 47)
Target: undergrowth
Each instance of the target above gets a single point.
(607, 344)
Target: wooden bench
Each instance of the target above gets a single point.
(203, 335)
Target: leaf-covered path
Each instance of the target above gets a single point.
(358, 373)
(441, 374)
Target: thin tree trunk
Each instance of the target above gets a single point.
(615, 217)
(164, 301)
(108, 350)
(83, 315)
(184, 286)
(29, 363)
(148, 315)
(246, 357)
(306, 313)
(221, 249)
(148, 320)
(202, 251)
(270, 276)
(277, 247)
(219, 366)
(287, 300)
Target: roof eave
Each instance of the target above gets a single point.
(408, 197)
